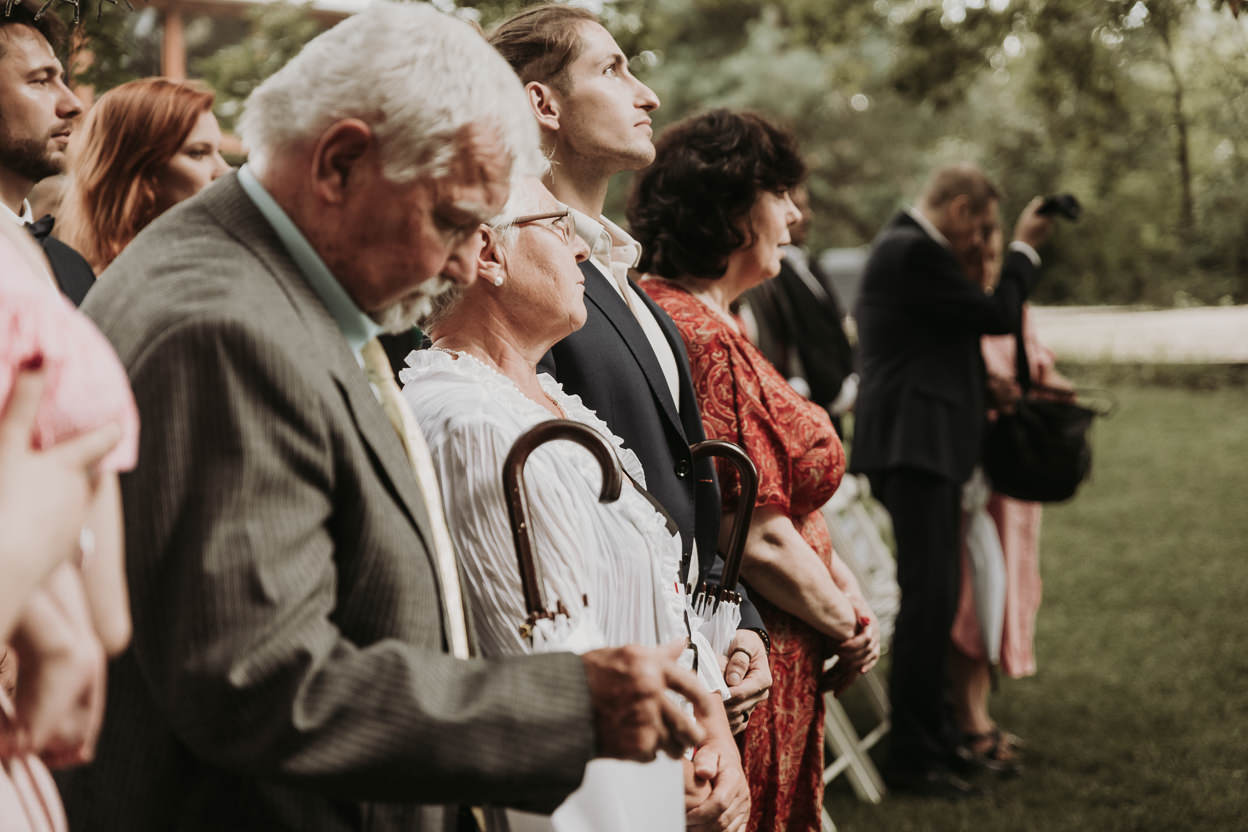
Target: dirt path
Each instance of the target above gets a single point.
(1108, 333)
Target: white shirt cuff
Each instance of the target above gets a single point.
(1019, 245)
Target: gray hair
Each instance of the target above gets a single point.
(416, 76)
(519, 202)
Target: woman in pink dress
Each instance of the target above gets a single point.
(1018, 525)
(711, 214)
(69, 425)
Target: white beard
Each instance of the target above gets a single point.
(410, 310)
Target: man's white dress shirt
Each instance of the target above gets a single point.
(613, 252)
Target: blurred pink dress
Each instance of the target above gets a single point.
(86, 388)
(86, 385)
(1018, 524)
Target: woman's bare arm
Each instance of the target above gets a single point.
(783, 567)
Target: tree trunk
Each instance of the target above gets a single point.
(1187, 214)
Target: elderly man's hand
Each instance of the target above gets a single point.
(60, 686)
(634, 718)
(748, 676)
(717, 761)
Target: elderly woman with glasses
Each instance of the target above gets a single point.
(612, 566)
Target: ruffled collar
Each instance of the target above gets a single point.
(428, 363)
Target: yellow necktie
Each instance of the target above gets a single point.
(380, 376)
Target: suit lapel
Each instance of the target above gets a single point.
(327, 347)
(600, 293)
(387, 451)
(688, 404)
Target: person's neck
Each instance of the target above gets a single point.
(14, 189)
(718, 294)
(579, 186)
(495, 344)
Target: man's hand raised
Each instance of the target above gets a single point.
(1033, 228)
(634, 719)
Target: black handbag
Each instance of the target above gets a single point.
(1040, 451)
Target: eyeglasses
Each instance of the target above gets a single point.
(562, 224)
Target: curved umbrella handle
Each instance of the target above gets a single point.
(517, 501)
(745, 506)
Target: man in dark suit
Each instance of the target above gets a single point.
(293, 601)
(627, 362)
(801, 325)
(37, 114)
(918, 429)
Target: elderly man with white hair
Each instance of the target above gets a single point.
(300, 657)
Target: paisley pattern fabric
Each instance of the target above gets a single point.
(800, 464)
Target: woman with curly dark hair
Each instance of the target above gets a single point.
(711, 214)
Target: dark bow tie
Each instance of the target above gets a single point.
(41, 227)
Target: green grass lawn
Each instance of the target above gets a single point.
(1138, 717)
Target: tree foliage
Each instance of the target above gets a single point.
(1140, 107)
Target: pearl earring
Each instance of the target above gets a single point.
(498, 280)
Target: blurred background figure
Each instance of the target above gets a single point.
(712, 215)
(918, 432)
(1018, 525)
(799, 323)
(146, 146)
(68, 425)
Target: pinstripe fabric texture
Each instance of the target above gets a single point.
(288, 667)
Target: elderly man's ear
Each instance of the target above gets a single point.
(491, 262)
(339, 156)
(544, 103)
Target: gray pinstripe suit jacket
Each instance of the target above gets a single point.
(287, 670)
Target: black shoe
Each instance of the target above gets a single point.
(962, 760)
(995, 757)
(934, 782)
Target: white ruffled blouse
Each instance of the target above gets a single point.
(614, 566)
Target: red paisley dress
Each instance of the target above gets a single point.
(800, 464)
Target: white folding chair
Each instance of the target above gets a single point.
(860, 533)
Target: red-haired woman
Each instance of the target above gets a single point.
(146, 146)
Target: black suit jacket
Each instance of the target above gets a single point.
(921, 400)
(610, 365)
(399, 345)
(796, 322)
